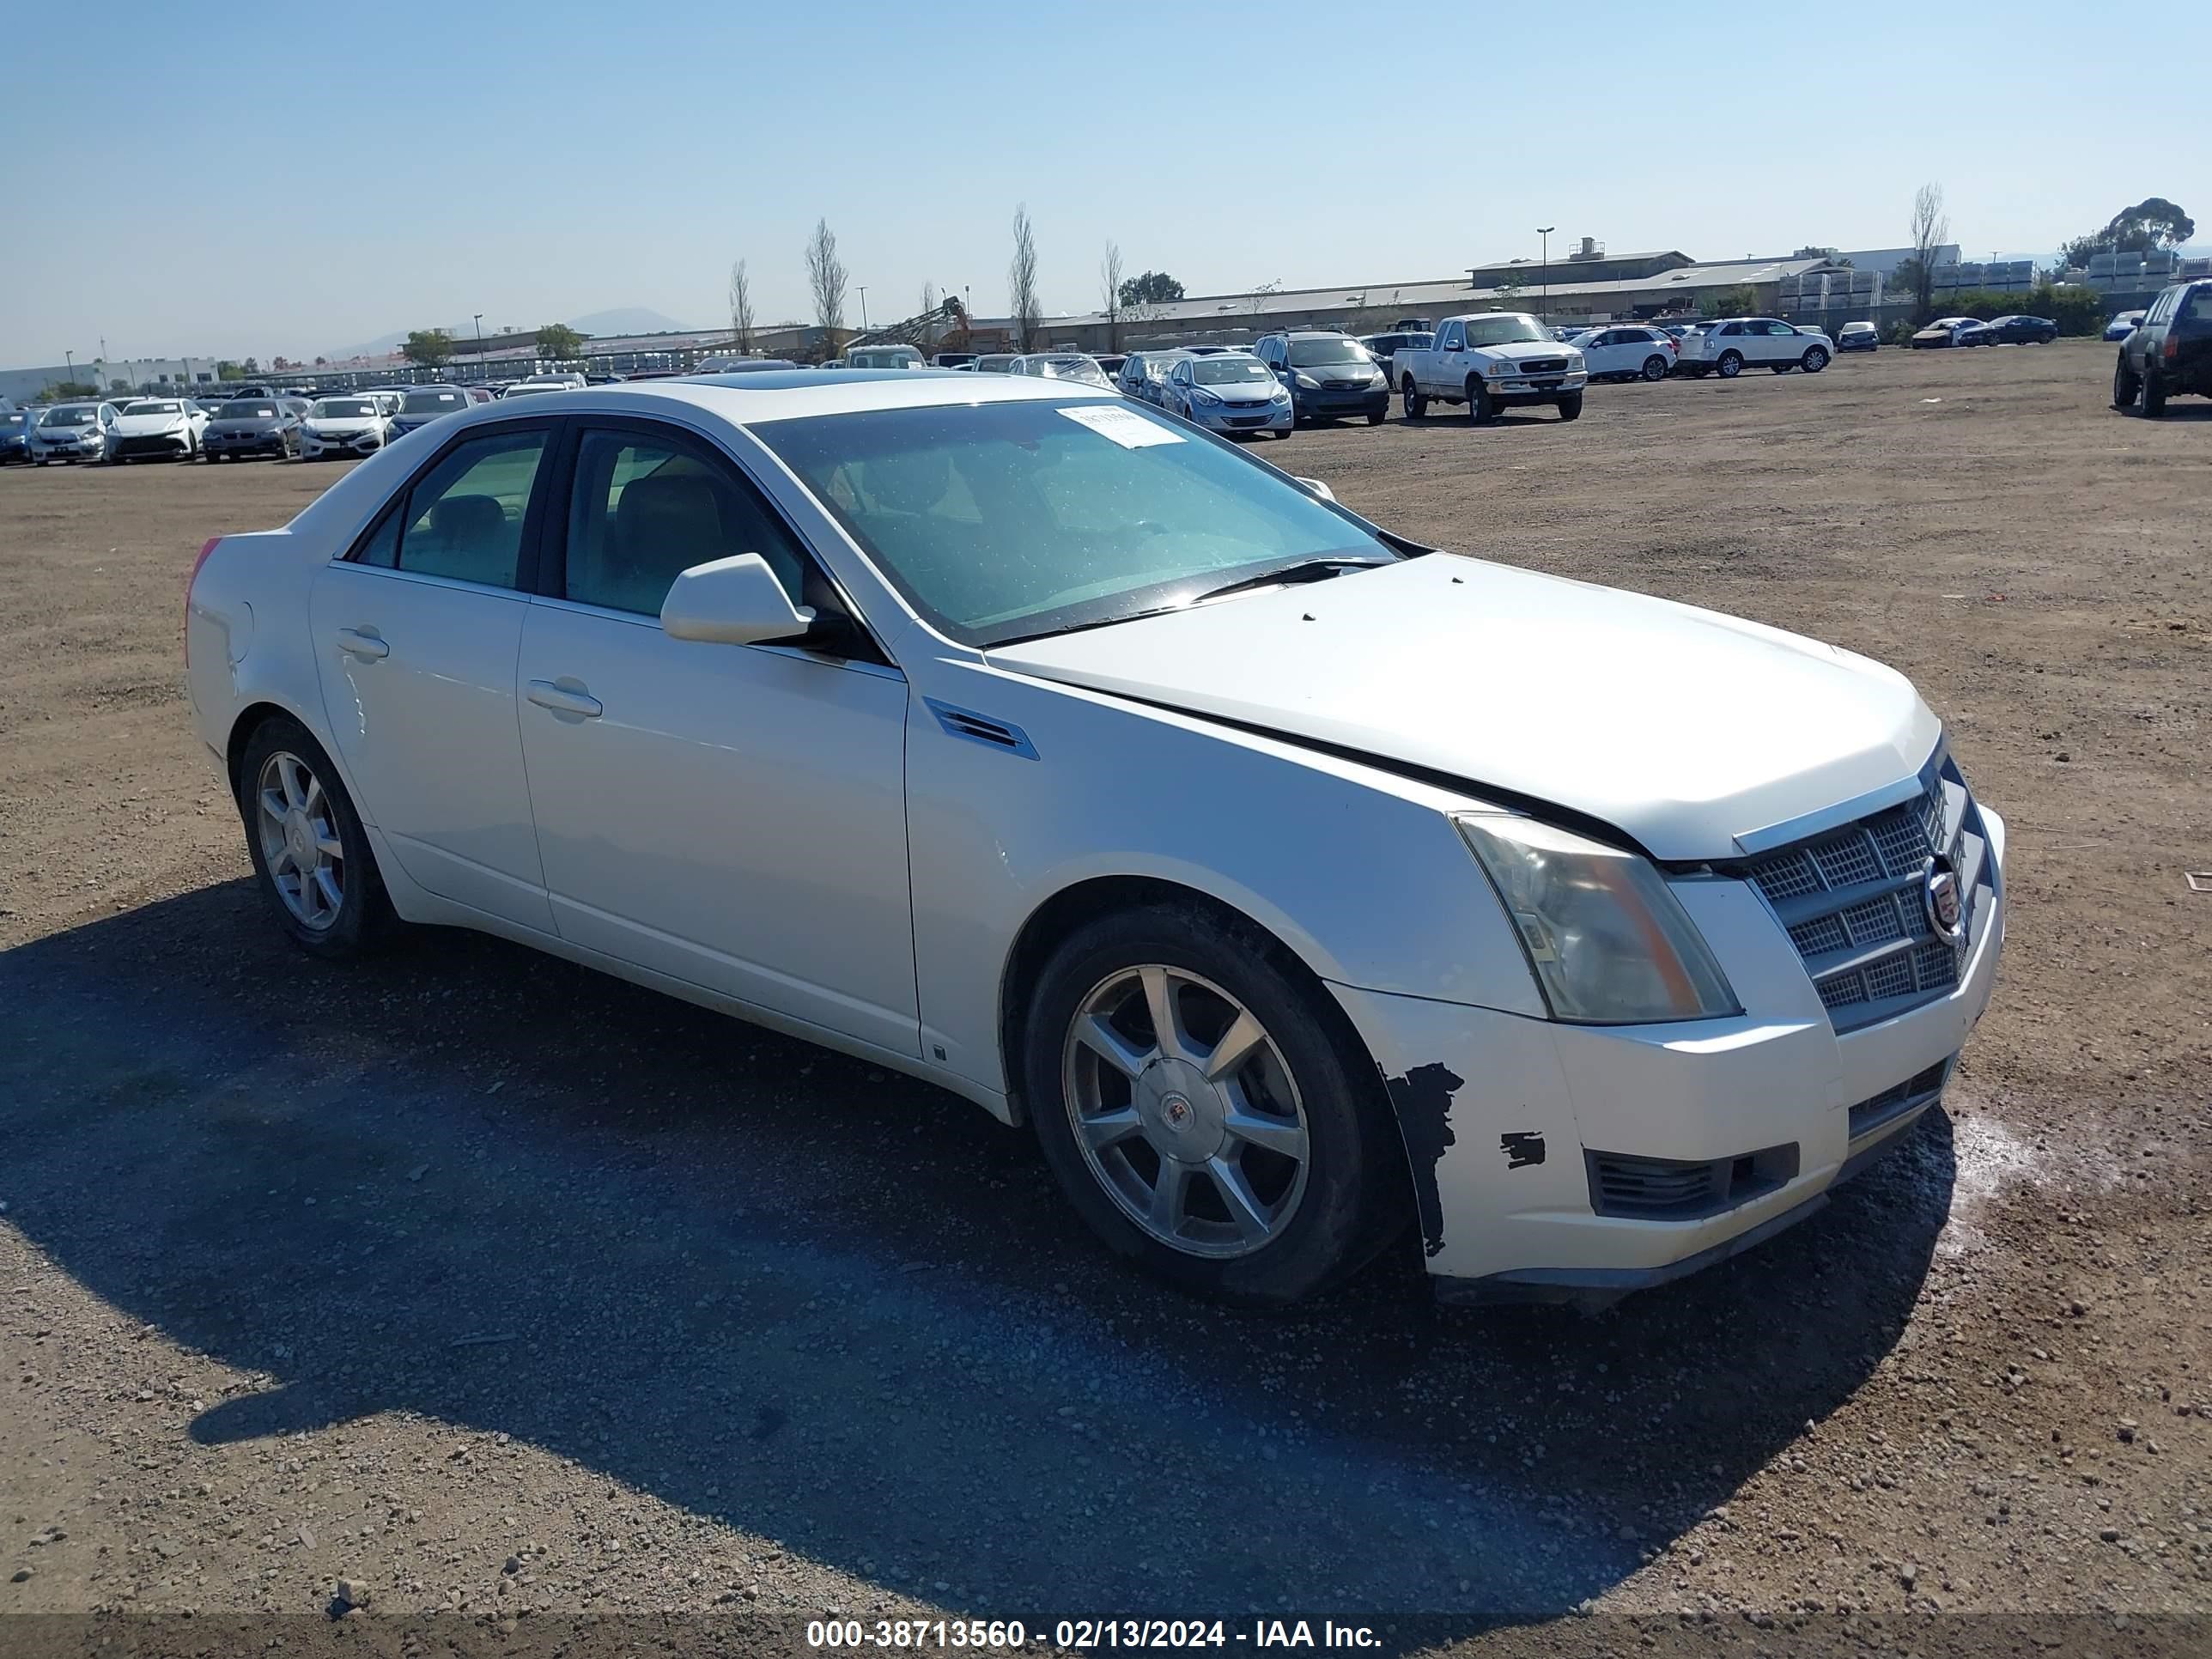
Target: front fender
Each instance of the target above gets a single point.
(1359, 871)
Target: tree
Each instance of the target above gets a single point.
(1152, 287)
(741, 308)
(322, 362)
(1742, 300)
(1931, 227)
(1021, 302)
(427, 346)
(2150, 225)
(559, 342)
(826, 279)
(227, 370)
(1109, 294)
(252, 366)
(930, 298)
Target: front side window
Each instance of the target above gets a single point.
(463, 520)
(645, 509)
(1005, 521)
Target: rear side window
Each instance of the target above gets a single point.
(645, 508)
(2196, 306)
(463, 519)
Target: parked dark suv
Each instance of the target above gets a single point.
(2170, 351)
(1330, 375)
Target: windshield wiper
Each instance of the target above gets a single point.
(1306, 570)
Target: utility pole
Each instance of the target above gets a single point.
(863, 308)
(70, 357)
(1545, 303)
(480, 361)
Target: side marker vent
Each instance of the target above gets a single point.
(981, 728)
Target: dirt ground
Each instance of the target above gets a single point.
(493, 1288)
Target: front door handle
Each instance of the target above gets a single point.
(563, 700)
(363, 643)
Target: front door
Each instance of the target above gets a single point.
(732, 816)
(415, 636)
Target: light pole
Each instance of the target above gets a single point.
(70, 357)
(1544, 303)
(480, 362)
(863, 308)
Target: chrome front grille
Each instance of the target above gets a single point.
(1853, 899)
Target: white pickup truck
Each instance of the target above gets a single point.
(1490, 361)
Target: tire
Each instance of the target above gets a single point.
(2125, 386)
(1729, 365)
(1814, 361)
(1326, 1188)
(1570, 406)
(1378, 417)
(1654, 367)
(283, 761)
(1416, 406)
(1479, 410)
(2151, 400)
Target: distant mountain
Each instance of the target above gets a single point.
(622, 319)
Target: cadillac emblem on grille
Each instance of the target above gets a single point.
(1939, 893)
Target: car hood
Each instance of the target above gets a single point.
(147, 426)
(1682, 727)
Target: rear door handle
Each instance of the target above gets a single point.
(563, 701)
(362, 642)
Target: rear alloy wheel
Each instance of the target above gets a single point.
(1203, 1113)
(2125, 386)
(1730, 365)
(1814, 361)
(306, 842)
(1416, 406)
(1654, 367)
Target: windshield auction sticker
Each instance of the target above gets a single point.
(1125, 427)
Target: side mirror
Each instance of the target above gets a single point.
(733, 601)
(1315, 488)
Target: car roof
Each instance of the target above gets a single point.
(792, 394)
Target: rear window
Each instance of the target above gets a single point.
(2196, 306)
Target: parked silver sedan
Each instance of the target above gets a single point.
(1063, 366)
(1233, 393)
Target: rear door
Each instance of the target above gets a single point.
(731, 815)
(416, 632)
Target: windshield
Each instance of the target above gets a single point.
(12, 418)
(153, 409)
(1312, 353)
(434, 403)
(1072, 368)
(343, 408)
(1001, 521)
(69, 415)
(245, 412)
(1228, 371)
(1508, 328)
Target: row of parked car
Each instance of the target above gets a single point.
(251, 422)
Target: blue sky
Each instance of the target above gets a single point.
(245, 178)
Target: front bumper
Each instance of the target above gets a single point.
(160, 445)
(1515, 1127)
(1330, 403)
(68, 451)
(1536, 388)
(271, 445)
(1230, 420)
(367, 443)
(1857, 345)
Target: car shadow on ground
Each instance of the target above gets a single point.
(845, 1310)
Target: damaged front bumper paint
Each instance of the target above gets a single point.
(1505, 1117)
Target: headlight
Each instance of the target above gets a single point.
(1308, 382)
(1605, 937)
(1280, 395)
(1200, 395)
(1501, 367)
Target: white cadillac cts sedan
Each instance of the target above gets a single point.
(1298, 884)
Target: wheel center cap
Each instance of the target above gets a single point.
(299, 838)
(1182, 1111)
